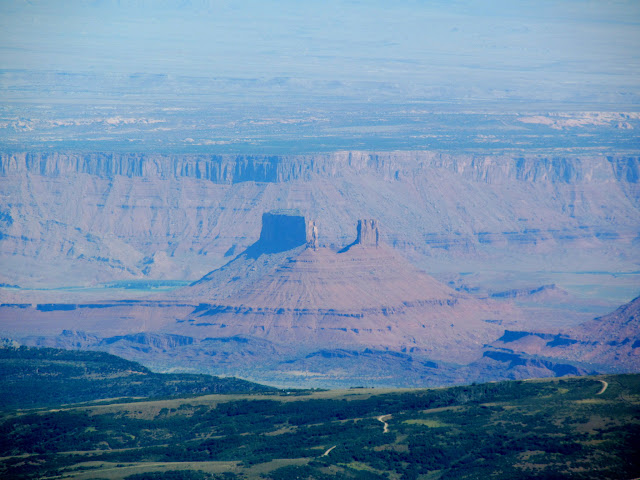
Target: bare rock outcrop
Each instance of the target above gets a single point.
(365, 295)
(368, 234)
(312, 234)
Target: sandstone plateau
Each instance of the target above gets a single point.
(314, 291)
(289, 311)
(71, 219)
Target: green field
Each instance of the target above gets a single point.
(558, 428)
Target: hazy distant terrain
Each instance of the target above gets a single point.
(496, 146)
(289, 311)
(285, 77)
(125, 84)
(359, 196)
(149, 113)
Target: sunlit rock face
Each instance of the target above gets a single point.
(612, 339)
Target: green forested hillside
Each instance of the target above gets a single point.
(578, 428)
(36, 377)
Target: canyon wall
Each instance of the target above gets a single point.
(71, 219)
(228, 169)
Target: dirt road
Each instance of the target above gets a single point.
(383, 418)
(328, 451)
(604, 387)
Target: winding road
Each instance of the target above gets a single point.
(383, 418)
(604, 387)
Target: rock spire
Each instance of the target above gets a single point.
(312, 234)
(368, 235)
(287, 229)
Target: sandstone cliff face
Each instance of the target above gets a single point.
(286, 306)
(282, 231)
(73, 218)
(227, 169)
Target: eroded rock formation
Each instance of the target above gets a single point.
(104, 216)
(319, 298)
(368, 234)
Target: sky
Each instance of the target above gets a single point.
(417, 47)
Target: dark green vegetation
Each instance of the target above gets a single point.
(37, 377)
(560, 428)
(180, 475)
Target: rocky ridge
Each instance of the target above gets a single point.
(287, 296)
(260, 168)
(612, 339)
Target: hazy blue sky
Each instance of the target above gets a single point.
(504, 45)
